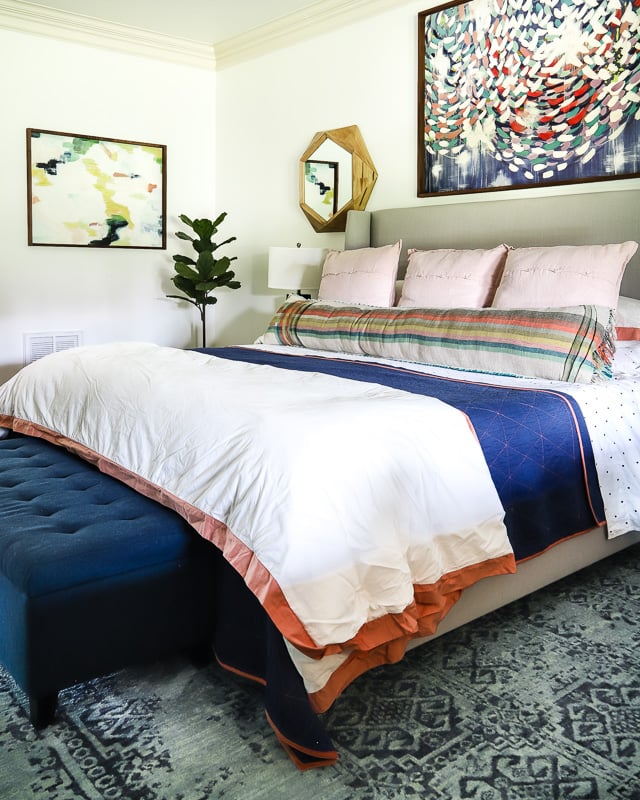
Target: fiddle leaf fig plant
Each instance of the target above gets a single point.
(199, 277)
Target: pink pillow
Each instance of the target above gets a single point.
(567, 275)
(363, 277)
(452, 278)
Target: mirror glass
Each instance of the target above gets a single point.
(336, 175)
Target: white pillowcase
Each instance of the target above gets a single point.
(626, 362)
(566, 275)
(628, 319)
(363, 277)
(452, 278)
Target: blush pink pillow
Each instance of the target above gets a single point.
(566, 275)
(363, 277)
(452, 278)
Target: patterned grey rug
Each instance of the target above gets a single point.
(538, 701)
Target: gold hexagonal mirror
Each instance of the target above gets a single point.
(336, 175)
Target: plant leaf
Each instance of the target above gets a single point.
(184, 260)
(201, 246)
(226, 241)
(184, 286)
(186, 272)
(204, 228)
(205, 265)
(219, 219)
(185, 299)
(221, 265)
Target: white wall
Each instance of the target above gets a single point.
(107, 294)
(268, 111)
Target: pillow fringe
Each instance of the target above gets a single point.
(604, 353)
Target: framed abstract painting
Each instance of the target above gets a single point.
(521, 93)
(90, 191)
(321, 187)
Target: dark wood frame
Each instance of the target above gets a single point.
(502, 65)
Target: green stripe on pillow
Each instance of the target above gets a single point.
(574, 344)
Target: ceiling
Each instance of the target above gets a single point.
(208, 21)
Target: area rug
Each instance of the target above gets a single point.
(537, 701)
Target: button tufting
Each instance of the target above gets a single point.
(63, 523)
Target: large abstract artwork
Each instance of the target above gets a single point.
(521, 93)
(87, 191)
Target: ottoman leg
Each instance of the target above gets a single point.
(42, 710)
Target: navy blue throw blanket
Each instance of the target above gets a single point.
(541, 461)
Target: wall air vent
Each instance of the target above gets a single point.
(37, 345)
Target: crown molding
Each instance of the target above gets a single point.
(24, 17)
(320, 17)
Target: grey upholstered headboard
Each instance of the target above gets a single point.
(594, 218)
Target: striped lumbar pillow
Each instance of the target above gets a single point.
(573, 344)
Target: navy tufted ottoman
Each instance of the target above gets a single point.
(93, 576)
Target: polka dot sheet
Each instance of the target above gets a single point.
(612, 414)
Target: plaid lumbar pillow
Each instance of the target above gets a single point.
(574, 344)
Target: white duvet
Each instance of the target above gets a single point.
(335, 499)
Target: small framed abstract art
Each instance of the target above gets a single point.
(518, 93)
(321, 187)
(90, 191)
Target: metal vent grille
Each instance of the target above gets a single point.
(37, 345)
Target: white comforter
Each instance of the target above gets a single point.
(333, 498)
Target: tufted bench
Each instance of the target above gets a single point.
(93, 576)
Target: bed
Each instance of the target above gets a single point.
(588, 219)
(380, 467)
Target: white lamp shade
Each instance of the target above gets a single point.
(295, 268)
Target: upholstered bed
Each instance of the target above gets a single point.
(592, 218)
(392, 459)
